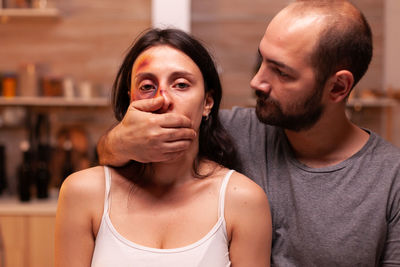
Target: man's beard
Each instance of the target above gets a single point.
(303, 115)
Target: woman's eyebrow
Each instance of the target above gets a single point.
(182, 74)
(144, 75)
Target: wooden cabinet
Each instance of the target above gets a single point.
(14, 233)
(19, 118)
(41, 241)
(27, 232)
(28, 228)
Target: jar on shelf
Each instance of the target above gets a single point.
(51, 86)
(16, 3)
(28, 82)
(9, 84)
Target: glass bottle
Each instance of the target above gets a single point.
(25, 172)
(68, 166)
(43, 176)
(3, 177)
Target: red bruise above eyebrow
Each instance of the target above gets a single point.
(143, 62)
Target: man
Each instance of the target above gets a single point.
(333, 188)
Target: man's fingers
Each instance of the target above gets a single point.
(169, 135)
(148, 105)
(176, 146)
(171, 151)
(167, 157)
(173, 155)
(173, 120)
(165, 120)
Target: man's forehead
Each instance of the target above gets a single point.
(293, 21)
(292, 51)
(293, 33)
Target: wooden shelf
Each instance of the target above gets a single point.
(372, 102)
(354, 103)
(55, 101)
(45, 13)
(12, 206)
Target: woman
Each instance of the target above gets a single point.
(190, 211)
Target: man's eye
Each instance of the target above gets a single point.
(281, 73)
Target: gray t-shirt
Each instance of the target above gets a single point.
(342, 215)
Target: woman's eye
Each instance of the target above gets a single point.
(182, 85)
(147, 87)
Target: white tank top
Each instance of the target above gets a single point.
(113, 250)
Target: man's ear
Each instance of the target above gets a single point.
(342, 82)
(208, 104)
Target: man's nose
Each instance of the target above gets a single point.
(260, 81)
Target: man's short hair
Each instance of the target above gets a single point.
(345, 41)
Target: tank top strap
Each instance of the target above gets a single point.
(221, 207)
(107, 174)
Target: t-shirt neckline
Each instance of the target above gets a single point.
(341, 165)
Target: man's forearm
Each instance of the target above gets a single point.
(109, 152)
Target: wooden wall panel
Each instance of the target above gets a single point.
(374, 12)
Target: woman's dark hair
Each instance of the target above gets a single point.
(214, 142)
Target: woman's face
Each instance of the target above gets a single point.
(165, 71)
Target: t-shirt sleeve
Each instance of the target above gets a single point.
(236, 120)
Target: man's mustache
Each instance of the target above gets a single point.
(262, 95)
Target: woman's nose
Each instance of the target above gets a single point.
(168, 103)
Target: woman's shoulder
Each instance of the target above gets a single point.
(243, 193)
(243, 185)
(246, 204)
(80, 201)
(84, 184)
(241, 188)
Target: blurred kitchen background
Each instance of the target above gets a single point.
(57, 64)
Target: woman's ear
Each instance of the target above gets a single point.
(208, 104)
(342, 83)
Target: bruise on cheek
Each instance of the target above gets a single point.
(157, 92)
(141, 64)
(137, 95)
